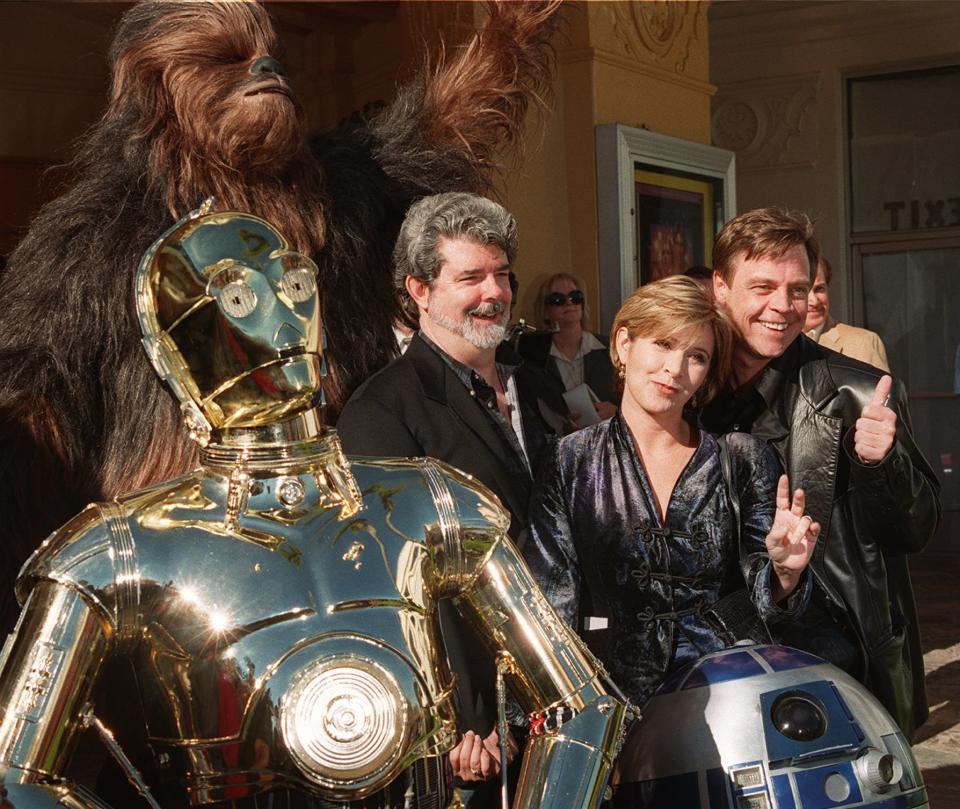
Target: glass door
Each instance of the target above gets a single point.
(904, 204)
(911, 298)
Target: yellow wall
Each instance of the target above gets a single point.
(640, 64)
(781, 70)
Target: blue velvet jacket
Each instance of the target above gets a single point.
(594, 530)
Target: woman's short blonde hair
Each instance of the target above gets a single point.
(540, 304)
(671, 305)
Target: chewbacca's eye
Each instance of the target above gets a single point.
(237, 299)
(299, 284)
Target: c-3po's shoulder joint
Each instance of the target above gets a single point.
(94, 555)
(470, 523)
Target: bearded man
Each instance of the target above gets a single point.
(453, 396)
(200, 108)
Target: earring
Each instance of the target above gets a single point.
(622, 373)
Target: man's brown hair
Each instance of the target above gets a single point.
(764, 233)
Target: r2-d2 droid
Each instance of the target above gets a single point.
(766, 727)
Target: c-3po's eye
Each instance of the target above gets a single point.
(237, 298)
(299, 284)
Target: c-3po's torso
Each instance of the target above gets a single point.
(283, 626)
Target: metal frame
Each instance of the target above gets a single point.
(617, 147)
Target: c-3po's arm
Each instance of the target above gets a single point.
(47, 672)
(575, 721)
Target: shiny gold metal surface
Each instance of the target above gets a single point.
(49, 678)
(278, 606)
(231, 320)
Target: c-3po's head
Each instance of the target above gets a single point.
(231, 321)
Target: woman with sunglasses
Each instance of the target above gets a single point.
(633, 525)
(566, 350)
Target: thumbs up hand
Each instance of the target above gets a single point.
(876, 429)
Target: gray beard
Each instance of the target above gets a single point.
(484, 337)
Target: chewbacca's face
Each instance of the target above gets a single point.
(202, 76)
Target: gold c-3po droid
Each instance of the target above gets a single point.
(279, 604)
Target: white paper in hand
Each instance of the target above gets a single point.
(580, 401)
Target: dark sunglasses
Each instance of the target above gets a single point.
(559, 299)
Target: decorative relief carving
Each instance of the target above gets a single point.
(656, 33)
(735, 126)
(657, 24)
(769, 123)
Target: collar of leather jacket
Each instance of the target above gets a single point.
(833, 383)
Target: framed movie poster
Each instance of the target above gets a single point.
(676, 216)
(661, 201)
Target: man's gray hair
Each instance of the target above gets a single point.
(454, 215)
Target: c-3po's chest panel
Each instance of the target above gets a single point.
(300, 641)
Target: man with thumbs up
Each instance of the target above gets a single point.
(842, 431)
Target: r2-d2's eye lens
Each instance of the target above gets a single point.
(237, 299)
(798, 716)
(299, 284)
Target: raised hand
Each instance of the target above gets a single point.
(791, 540)
(476, 759)
(876, 429)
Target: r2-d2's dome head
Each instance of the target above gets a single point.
(231, 321)
(765, 727)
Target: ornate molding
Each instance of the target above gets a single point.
(771, 123)
(655, 33)
(571, 57)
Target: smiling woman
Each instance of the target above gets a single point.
(633, 528)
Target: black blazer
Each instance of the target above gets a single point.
(598, 371)
(417, 406)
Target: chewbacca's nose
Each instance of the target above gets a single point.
(267, 64)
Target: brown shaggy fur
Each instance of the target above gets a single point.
(189, 74)
(82, 415)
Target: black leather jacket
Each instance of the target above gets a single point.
(805, 406)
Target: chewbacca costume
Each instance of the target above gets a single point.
(199, 108)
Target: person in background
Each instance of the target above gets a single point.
(861, 344)
(567, 350)
(533, 382)
(841, 430)
(635, 512)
